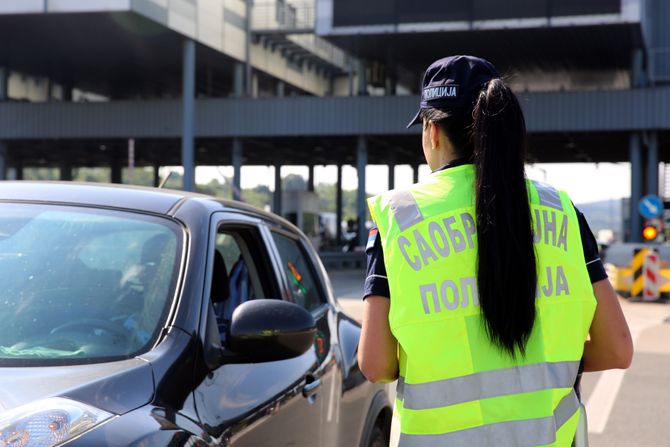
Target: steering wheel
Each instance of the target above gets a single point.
(93, 323)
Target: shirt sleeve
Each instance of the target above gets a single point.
(594, 264)
(376, 281)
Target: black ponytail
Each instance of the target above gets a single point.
(493, 136)
(506, 264)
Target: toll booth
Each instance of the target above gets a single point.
(301, 208)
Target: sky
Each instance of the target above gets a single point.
(584, 182)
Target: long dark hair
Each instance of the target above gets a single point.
(493, 136)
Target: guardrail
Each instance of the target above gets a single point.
(324, 50)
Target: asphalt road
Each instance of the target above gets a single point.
(625, 408)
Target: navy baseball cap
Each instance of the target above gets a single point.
(453, 82)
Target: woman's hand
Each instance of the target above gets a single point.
(610, 345)
(377, 348)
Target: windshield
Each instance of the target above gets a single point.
(80, 285)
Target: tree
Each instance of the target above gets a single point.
(294, 182)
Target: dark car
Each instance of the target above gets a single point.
(142, 317)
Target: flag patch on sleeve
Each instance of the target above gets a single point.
(372, 236)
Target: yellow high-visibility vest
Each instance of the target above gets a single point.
(455, 387)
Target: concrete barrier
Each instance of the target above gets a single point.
(343, 261)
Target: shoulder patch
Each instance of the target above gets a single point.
(372, 236)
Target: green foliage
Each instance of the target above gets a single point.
(259, 196)
(327, 194)
(294, 182)
(41, 174)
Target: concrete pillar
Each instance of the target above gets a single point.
(131, 161)
(247, 48)
(361, 163)
(157, 175)
(3, 160)
(254, 89)
(238, 80)
(67, 91)
(338, 205)
(116, 171)
(415, 174)
(18, 166)
(50, 89)
(66, 171)
(636, 182)
(4, 94)
(236, 158)
(276, 198)
(188, 110)
(281, 89)
(4, 84)
(391, 184)
(310, 178)
(362, 78)
(350, 73)
(638, 76)
(391, 84)
(391, 166)
(652, 163)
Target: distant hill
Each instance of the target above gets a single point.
(605, 214)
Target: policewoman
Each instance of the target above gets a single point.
(485, 294)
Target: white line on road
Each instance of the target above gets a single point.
(640, 317)
(601, 402)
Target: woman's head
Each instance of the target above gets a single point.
(453, 83)
(466, 108)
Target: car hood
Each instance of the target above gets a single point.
(116, 387)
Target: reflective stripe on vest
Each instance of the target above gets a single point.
(529, 432)
(548, 195)
(487, 384)
(405, 209)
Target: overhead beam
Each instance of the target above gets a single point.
(627, 110)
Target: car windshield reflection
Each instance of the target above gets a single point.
(83, 285)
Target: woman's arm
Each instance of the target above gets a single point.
(377, 349)
(610, 345)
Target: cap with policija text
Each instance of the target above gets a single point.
(454, 82)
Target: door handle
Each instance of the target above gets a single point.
(311, 387)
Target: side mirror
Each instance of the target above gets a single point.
(268, 330)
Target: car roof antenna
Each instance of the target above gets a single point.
(164, 181)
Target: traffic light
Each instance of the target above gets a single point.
(652, 230)
(649, 233)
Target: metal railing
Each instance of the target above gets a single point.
(323, 49)
(292, 17)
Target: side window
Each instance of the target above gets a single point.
(299, 273)
(235, 275)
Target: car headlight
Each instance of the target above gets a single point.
(48, 423)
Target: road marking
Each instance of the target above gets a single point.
(640, 317)
(600, 404)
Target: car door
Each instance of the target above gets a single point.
(304, 287)
(244, 404)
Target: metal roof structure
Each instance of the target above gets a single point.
(268, 91)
